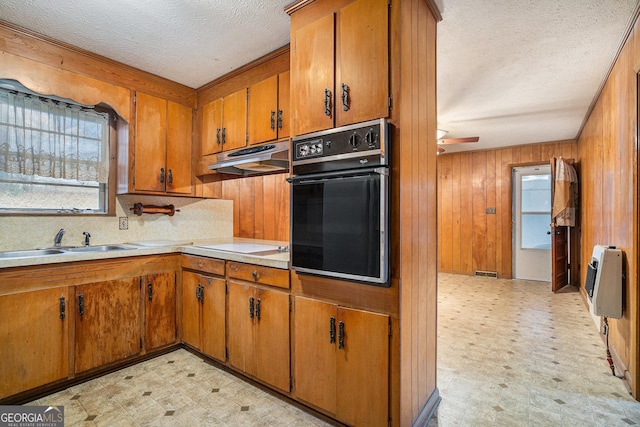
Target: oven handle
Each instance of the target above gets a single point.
(320, 177)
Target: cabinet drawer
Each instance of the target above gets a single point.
(259, 274)
(207, 265)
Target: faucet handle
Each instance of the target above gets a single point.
(87, 236)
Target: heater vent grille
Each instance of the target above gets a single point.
(481, 273)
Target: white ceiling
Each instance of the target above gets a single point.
(509, 71)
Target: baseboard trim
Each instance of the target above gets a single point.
(428, 410)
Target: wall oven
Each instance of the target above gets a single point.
(340, 203)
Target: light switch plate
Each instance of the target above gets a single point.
(123, 223)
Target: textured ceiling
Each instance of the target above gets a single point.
(509, 71)
(188, 41)
(523, 71)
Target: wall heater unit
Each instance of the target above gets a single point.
(604, 281)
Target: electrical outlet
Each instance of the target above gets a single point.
(123, 224)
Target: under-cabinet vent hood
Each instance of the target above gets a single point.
(257, 160)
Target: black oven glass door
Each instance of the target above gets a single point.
(339, 225)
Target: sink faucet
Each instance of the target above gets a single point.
(87, 236)
(58, 239)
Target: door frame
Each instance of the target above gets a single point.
(513, 209)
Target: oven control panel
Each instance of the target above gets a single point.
(363, 139)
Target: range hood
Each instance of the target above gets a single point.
(257, 160)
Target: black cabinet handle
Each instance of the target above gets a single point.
(200, 293)
(224, 135)
(62, 308)
(162, 175)
(279, 119)
(258, 309)
(332, 330)
(327, 102)
(345, 97)
(251, 307)
(254, 275)
(341, 335)
(81, 304)
(273, 120)
(218, 140)
(170, 179)
(150, 291)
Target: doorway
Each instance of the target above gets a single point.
(531, 227)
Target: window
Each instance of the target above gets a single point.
(54, 155)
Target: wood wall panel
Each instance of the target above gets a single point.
(416, 149)
(469, 239)
(260, 205)
(608, 156)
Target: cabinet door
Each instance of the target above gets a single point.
(242, 300)
(212, 128)
(362, 367)
(284, 105)
(35, 340)
(160, 309)
(272, 338)
(315, 353)
(362, 53)
(263, 111)
(191, 309)
(179, 143)
(312, 68)
(234, 119)
(150, 144)
(107, 322)
(213, 317)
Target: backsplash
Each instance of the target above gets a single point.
(197, 219)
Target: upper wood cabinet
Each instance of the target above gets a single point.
(35, 339)
(360, 91)
(269, 109)
(224, 123)
(163, 146)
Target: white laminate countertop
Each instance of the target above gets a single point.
(155, 247)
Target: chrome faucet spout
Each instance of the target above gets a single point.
(58, 239)
(87, 236)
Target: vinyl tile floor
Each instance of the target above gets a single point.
(175, 389)
(512, 353)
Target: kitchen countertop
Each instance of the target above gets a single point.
(158, 247)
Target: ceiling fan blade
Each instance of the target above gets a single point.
(459, 140)
(441, 150)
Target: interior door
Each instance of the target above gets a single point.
(531, 223)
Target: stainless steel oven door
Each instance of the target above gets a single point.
(339, 225)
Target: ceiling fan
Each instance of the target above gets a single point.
(445, 141)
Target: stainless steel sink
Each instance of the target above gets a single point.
(99, 248)
(30, 253)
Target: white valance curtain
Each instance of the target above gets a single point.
(52, 139)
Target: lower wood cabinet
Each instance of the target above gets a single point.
(108, 322)
(341, 361)
(34, 333)
(203, 313)
(160, 323)
(258, 338)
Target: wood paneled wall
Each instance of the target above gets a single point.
(469, 239)
(260, 205)
(414, 206)
(608, 156)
